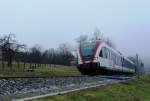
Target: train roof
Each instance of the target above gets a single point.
(118, 52)
(110, 47)
(129, 60)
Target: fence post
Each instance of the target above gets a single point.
(137, 66)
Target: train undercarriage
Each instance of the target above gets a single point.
(94, 69)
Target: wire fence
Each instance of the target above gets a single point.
(37, 70)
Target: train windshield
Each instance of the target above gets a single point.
(87, 50)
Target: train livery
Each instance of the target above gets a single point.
(97, 57)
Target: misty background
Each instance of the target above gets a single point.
(52, 22)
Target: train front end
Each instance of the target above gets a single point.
(87, 59)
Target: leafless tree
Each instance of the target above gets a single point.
(110, 43)
(10, 47)
(139, 64)
(97, 35)
(35, 55)
(65, 53)
(82, 38)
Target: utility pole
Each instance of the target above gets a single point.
(137, 65)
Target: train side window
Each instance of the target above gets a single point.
(101, 53)
(111, 55)
(114, 58)
(108, 54)
(105, 53)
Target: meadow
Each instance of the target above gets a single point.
(134, 90)
(42, 70)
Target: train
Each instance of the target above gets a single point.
(97, 57)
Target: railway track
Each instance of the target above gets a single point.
(29, 88)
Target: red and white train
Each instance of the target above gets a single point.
(99, 58)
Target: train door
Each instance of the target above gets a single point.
(105, 58)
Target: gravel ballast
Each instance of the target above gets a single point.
(14, 88)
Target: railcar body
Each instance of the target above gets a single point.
(99, 58)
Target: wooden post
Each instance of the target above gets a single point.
(137, 66)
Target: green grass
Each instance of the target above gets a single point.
(43, 71)
(135, 90)
(58, 71)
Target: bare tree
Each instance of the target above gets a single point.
(97, 35)
(110, 43)
(20, 54)
(35, 55)
(9, 47)
(82, 38)
(65, 53)
(139, 64)
(52, 56)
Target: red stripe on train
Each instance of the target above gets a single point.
(95, 51)
(81, 56)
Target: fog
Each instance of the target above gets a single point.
(51, 22)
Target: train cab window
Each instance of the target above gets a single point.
(104, 53)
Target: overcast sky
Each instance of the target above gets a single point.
(51, 22)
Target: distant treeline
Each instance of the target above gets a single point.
(60, 56)
(11, 51)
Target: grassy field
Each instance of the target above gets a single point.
(135, 90)
(43, 71)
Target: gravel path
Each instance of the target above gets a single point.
(12, 88)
